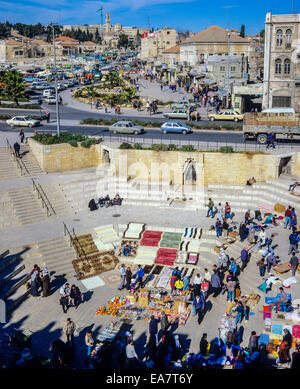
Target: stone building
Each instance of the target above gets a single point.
(110, 33)
(171, 56)
(155, 43)
(210, 42)
(19, 48)
(282, 61)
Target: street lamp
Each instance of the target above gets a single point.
(228, 64)
(53, 25)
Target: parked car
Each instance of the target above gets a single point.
(50, 100)
(226, 114)
(175, 127)
(177, 114)
(180, 104)
(25, 121)
(126, 128)
(49, 92)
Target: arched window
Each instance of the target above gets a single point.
(288, 37)
(287, 66)
(278, 66)
(279, 38)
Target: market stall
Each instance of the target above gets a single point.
(147, 302)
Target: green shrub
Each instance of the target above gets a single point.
(187, 148)
(172, 147)
(159, 147)
(73, 143)
(226, 149)
(125, 146)
(88, 142)
(138, 146)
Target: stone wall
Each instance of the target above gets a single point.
(295, 165)
(63, 157)
(169, 166)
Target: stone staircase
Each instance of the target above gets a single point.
(31, 164)
(26, 206)
(8, 170)
(57, 255)
(7, 215)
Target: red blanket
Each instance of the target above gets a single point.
(151, 238)
(166, 256)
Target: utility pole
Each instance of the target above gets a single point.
(55, 80)
(228, 66)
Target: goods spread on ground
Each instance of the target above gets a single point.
(145, 303)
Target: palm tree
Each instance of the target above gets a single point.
(14, 85)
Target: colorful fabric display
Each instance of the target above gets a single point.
(171, 240)
(166, 256)
(277, 329)
(263, 339)
(192, 258)
(151, 238)
(296, 331)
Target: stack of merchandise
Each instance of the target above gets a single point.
(112, 308)
(134, 231)
(106, 238)
(166, 256)
(151, 238)
(171, 240)
(146, 255)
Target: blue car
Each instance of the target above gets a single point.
(175, 127)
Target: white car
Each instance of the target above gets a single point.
(25, 121)
(50, 100)
(48, 92)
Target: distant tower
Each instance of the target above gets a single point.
(107, 21)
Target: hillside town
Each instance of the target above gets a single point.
(149, 194)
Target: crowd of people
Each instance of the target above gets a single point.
(104, 202)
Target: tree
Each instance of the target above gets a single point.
(242, 33)
(14, 85)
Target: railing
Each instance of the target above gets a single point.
(18, 161)
(200, 145)
(45, 201)
(75, 241)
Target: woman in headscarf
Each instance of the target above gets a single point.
(46, 282)
(34, 281)
(197, 284)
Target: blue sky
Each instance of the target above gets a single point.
(193, 15)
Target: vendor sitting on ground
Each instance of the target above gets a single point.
(117, 200)
(126, 251)
(271, 219)
(251, 181)
(92, 205)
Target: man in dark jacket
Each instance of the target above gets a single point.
(294, 261)
(244, 258)
(199, 305)
(270, 140)
(203, 345)
(215, 284)
(164, 323)
(17, 149)
(293, 243)
(153, 328)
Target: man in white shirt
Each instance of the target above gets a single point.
(64, 296)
